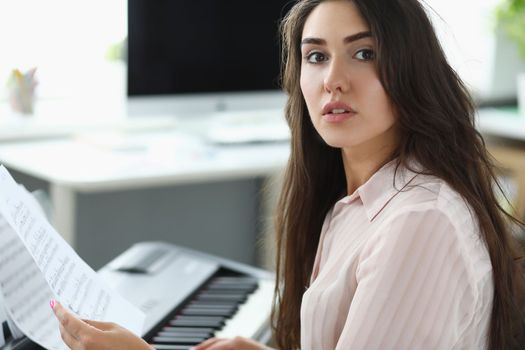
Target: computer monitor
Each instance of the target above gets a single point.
(195, 56)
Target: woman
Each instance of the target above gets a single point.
(389, 232)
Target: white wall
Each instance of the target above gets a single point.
(68, 40)
(467, 30)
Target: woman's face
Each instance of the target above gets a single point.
(346, 101)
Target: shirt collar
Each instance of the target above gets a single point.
(378, 191)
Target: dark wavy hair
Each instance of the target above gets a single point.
(436, 120)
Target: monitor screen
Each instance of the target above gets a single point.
(203, 46)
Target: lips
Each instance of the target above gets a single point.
(337, 111)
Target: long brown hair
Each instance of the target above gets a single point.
(436, 118)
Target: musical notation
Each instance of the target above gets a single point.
(36, 265)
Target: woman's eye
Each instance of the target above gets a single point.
(365, 55)
(315, 57)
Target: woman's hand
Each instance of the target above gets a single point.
(237, 343)
(90, 335)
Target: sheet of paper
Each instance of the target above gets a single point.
(25, 292)
(71, 280)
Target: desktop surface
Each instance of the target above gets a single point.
(98, 161)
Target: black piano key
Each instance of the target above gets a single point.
(229, 280)
(201, 318)
(198, 322)
(178, 340)
(224, 291)
(234, 279)
(204, 335)
(218, 290)
(224, 313)
(247, 287)
(221, 297)
(207, 312)
(170, 347)
(212, 303)
(232, 309)
(188, 330)
(205, 306)
(233, 290)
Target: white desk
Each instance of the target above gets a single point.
(132, 159)
(504, 123)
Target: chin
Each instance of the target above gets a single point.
(337, 142)
(337, 136)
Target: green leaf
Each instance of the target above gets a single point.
(511, 17)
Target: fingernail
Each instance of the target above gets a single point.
(52, 303)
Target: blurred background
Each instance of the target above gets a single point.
(162, 120)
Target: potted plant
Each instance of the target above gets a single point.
(511, 17)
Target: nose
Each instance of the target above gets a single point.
(336, 77)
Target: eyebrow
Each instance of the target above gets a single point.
(346, 40)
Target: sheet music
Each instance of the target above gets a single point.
(68, 278)
(25, 292)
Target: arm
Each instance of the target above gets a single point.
(94, 335)
(413, 289)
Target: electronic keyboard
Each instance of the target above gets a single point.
(188, 296)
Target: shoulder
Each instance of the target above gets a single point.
(429, 205)
(429, 210)
(430, 196)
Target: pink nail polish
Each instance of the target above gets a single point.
(52, 303)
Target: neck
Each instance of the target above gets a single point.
(361, 162)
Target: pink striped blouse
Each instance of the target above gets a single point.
(399, 270)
